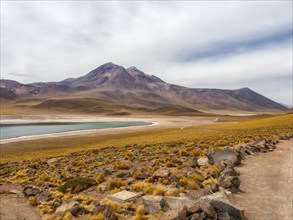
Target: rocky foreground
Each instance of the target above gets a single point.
(134, 182)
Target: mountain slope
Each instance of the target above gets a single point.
(134, 89)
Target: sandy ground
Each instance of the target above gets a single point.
(266, 182)
(159, 122)
(13, 205)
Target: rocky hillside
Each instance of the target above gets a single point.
(133, 88)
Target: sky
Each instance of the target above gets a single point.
(198, 44)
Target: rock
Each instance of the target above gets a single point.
(177, 214)
(161, 173)
(197, 194)
(95, 203)
(124, 196)
(229, 172)
(52, 160)
(194, 216)
(31, 172)
(192, 162)
(99, 209)
(225, 211)
(142, 176)
(30, 191)
(193, 209)
(178, 202)
(153, 204)
(108, 212)
(185, 171)
(123, 175)
(224, 155)
(207, 208)
(223, 204)
(65, 207)
(44, 197)
(203, 161)
(77, 210)
(229, 182)
(214, 187)
(107, 172)
(173, 178)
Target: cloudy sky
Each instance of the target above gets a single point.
(214, 44)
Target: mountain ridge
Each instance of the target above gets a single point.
(133, 88)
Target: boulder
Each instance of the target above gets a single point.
(124, 196)
(176, 214)
(225, 211)
(229, 172)
(229, 182)
(192, 162)
(193, 209)
(30, 191)
(172, 202)
(197, 194)
(77, 210)
(203, 161)
(107, 172)
(108, 212)
(223, 205)
(207, 208)
(153, 204)
(224, 155)
(161, 173)
(66, 206)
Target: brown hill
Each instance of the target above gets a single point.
(132, 89)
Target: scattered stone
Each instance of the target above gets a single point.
(30, 191)
(107, 172)
(203, 161)
(226, 211)
(99, 209)
(123, 175)
(124, 196)
(173, 178)
(229, 182)
(153, 204)
(197, 194)
(193, 209)
(161, 173)
(108, 212)
(52, 160)
(65, 207)
(176, 214)
(77, 210)
(177, 202)
(207, 208)
(227, 155)
(43, 197)
(192, 162)
(14, 191)
(31, 172)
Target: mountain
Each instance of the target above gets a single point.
(132, 89)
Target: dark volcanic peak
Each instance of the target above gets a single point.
(132, 87)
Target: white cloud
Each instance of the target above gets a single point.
(56, 40)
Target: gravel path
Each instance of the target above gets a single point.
(266, 182)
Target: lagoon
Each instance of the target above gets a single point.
(13, 130)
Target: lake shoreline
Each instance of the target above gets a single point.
(158, 122)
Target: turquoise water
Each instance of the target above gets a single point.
(19, 130)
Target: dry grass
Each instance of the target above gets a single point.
(200, 137)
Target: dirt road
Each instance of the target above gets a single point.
(13, 206)
(266, 182)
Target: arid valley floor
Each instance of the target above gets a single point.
(73, 175)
